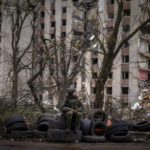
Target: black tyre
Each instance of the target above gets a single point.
(14, 119)
(57, 124)
(115, 128)
(45, 115)
(120, 137)
(22, 134)
(130, 125)
(85, 126)
(98, 128)
(40, 134)
(93, 139)
(43, 126)
(142, 126)
(43, 119)
(56, 135)
(17, 127)
(98, 115)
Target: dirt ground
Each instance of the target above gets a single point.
(8, 145)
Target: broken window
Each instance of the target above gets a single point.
(51, 72)
(126, 28)
(125, 90)
(43, 2)
(110, 2)
(94, 75)
(75, 1)
(53, 11)
(111, 75)
(149, 64)
(93, 90)
(53, 24)
(126, 44)
(52, 36)
(126, 12)
(75, 58)
(125, 59)
(63, 22)
(110, 15)
(148, 76)
(94, 61)
(42, 26)
(125, 75)
(63, 34)
(64, 10)
(109, 90)
(42, 14)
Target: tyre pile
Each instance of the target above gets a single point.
(92, 129)
(15, 123)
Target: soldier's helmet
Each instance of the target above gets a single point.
(70, 90)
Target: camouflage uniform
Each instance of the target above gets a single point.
(72, 110)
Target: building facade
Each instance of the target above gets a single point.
(131, 67)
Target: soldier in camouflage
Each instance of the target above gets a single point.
(72, 109)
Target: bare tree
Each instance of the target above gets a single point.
(63, 58)
(21, 14)
(110, 47)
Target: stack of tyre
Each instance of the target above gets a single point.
(142, 126)
(94, 127)
(42, 123)
(57, 131)
(118, 132)
(15, 123)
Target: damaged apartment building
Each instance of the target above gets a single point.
(132, 65)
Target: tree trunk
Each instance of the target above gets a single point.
(62, 94)
(101, 80)
(14, 90)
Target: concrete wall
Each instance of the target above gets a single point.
(134, 55)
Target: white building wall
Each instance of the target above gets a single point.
(6, 55)
(133, 55)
